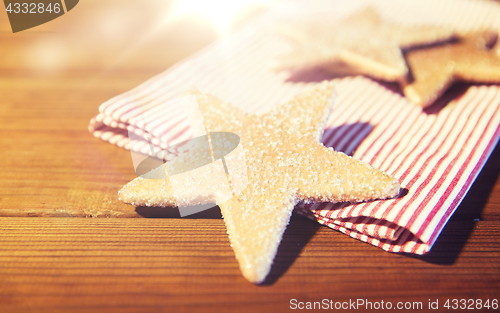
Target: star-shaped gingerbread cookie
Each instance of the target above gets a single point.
(360, 44)
(284, 163)
(436, 68)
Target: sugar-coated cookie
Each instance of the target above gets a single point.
(284, 163)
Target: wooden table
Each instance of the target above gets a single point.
(63, 246)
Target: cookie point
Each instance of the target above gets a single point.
(413, 95)
(394, 190)
(255, 274)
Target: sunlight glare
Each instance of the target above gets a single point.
(220, 12)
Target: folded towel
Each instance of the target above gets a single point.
(435, 153)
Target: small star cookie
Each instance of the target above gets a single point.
(285, 163)
(360, 44)
(436, 68)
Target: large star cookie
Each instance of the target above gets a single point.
(285, 163)
(360, 44)
(436, 68)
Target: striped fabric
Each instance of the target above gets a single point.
(435, 153)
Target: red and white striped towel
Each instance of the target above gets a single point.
(436, 154)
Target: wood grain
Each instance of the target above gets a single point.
(52, 80)
(161, 265)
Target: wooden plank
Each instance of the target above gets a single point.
(68, 264)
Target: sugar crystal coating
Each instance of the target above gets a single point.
(285, 163)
